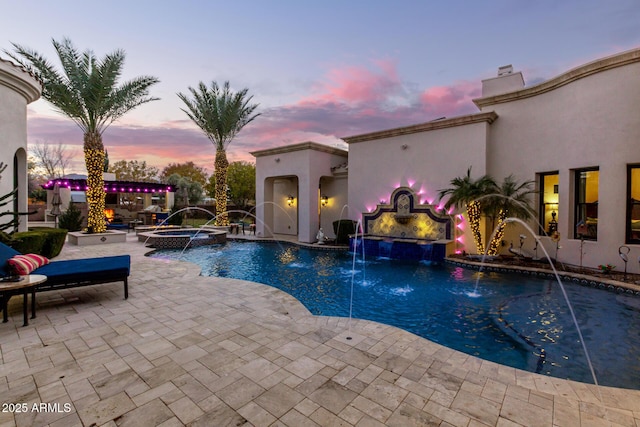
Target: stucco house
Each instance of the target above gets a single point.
(18, 88)
(577, 136)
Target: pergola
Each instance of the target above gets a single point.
(139, 190)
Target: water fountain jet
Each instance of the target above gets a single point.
(566, 298)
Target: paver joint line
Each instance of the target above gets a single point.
(186, 349)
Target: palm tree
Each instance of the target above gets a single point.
(87, 93)
(220, 113)
(467, 191)
(511, 199)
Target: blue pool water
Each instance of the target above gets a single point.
(511, 322)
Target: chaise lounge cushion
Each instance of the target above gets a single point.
(78, 271)
(6, 252)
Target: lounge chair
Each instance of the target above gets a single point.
(77, 272)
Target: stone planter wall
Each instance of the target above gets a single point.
(80, 238)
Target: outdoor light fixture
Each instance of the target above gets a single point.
(290, 200)
(324, 200)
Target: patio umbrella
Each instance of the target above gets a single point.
(56, 201)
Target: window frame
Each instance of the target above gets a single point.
(542, 204)
(629, 237)
(577, 205)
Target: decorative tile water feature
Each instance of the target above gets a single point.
(405, 229)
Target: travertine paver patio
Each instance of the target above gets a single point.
(201, 351)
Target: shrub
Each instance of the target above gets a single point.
(71, 219)
(6, 238)
(174, 217)
(55, 239)
(342, 228)
(29, 242)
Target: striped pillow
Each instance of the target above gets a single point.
(25, 264)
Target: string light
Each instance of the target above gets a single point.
(94, 159)
(473, 212)
(81, 184)
(497, 237)
(221, 166)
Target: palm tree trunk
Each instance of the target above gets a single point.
(499, 234)
(221, 166)
(94, 160)
(473, 213)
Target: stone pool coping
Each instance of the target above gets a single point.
(172, 239)
(582, 279)
(577, 278)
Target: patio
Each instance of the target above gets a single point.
(203, 351)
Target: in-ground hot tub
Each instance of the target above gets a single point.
(182, 238)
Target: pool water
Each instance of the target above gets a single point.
(519, 321)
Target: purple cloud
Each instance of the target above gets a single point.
(349, 101)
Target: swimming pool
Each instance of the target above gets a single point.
(511, 322)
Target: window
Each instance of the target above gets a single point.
(586, 204)
(548, 207)
(633, 204)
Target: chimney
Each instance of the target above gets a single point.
(507, 81)
(504, 70)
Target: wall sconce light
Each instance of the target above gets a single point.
(324, 200)
(277, 159)
(404, 146)
(290, 200)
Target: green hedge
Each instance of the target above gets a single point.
(6, 238)
(40, 240)
(56, 237)
(29, 242)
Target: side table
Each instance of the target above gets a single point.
(26, 284)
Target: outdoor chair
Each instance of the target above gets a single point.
(74, 273)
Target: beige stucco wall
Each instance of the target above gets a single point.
(425, 161)
(587, 117)
(277, 171)
(17, 90)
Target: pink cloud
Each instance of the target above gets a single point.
(157, 145)
(356, 85)
(349, 101)
(451, 100)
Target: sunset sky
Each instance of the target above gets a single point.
(320, 70)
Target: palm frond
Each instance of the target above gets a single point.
(466, 189)
(511, 197)
(218, 111)
(87, 91)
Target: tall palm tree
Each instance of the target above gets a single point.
(467, 191)
(511, 199)
(220, 113)
(88, 93)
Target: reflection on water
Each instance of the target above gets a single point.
(520, 321)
